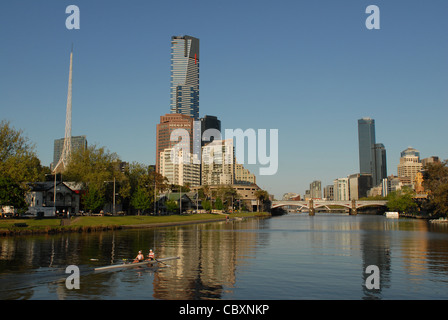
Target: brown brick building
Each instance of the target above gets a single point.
(168, 123)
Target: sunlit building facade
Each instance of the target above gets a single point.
(185, 76)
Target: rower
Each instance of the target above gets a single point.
(151, 255)
(139, 257)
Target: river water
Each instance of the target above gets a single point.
(294, 256)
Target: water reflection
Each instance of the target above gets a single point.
(288, 257)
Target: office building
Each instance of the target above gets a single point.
(372, 155)
(341, 189)
(210, 122)
(329, 192)
(380, 165)
(243, 175)
(409, 166)
(169, 123)
(366, 139)
(359, 185)
(218, 163)
(185, 76)
(180, 172)
(430, 160)
(316, 190)
(77, 143)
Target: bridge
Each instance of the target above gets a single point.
(313, 204)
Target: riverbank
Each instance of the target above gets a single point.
(13, 227)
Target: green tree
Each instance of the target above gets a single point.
(262, 197)
(218, 203)
(401, 200)
(93, 199)
(11, 193)
(146, 179)
(98, 169)
(171, 206)
(435, 181)
(206, 205)
(228, 195)
(18, 159)
(140, 200)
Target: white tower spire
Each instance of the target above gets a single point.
(67, 149)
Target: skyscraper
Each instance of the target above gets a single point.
(185, 76)
(380, 168)
(366, 138)
(372, 155)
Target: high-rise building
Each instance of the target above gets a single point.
(359, 184)
(316, 190)
(380, 165)
(180, 172)
(341, 189)
(78, 142)
(329, 192)
(210, 122)
(372, 155)
(169, 123)
(409, 165)
(366, 138)
(185, 76)
(218, 163)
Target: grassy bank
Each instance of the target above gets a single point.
(95, 223)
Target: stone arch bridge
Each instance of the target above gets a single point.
(312, 205)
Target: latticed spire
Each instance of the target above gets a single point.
(67, 148)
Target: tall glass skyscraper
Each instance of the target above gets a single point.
(185, 76)
(372, 155)
(366, 138)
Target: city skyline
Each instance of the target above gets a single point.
(310, 72)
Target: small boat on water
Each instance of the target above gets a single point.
(136, 264)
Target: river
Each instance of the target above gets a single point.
(289, 257)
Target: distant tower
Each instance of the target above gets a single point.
(67, 149)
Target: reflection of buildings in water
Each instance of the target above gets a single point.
(414, 250)
(375, 248)
(209, 255)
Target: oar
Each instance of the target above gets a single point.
(162, 262)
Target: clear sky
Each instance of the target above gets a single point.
(309, 68)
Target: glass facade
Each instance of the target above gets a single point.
(380, 169)
(372, 155)
(185, 76)
(366, 138)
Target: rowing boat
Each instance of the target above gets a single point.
(131, 264)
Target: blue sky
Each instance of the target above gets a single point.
(308, 68)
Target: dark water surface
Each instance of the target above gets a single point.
(289, 257)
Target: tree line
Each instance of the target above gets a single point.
(435, 184)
